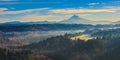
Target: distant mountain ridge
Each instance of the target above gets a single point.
(118, 22)
(76, 20)
(24, 23)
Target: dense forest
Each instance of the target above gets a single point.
(105, 46)
(62, 48)
(44, 27)
(6, 54)
(58, 48)
(47, 27)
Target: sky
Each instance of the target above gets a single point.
(59, 10)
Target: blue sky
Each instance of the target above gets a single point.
(58, 10)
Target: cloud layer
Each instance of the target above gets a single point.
(108, 13)
(69, 11)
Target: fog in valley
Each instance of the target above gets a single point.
(28, 37)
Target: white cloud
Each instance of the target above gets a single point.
(112, 7)
(83, 14)
(36, 17)
(72, 11)
(46, 14)
(3, 20)
(3, 11)
(94, 3)
(108, 9)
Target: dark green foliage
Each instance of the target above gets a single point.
(105, 47)
(112, 47)
(63, 48)
(4, 40)
(15, 55)
(113, 54)
(44, 27)
(111, 36)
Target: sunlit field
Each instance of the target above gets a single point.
(84, 37)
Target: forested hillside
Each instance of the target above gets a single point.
(104, 46)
